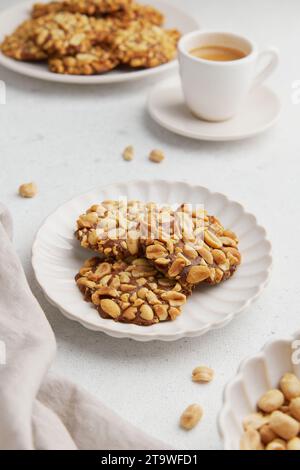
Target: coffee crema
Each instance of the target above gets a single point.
(217, 53)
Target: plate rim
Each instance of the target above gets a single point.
(141, 334)
(203, 137)
(47, 76)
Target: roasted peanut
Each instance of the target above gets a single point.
(206, 254)
(198, 274)
(174, 312)
(146, 312)
(155, 251)
(110, 307)
(175, 299)
(102, 270)
(177, 266)
(255, 421)
(191, 416)
(271, 401)
(128, 153)
(202, 374)
(161, 311)
(250, 440)
(294, 444)
(266, 434)
(277, 444)
(28, 190)
(130, 313)
(212, 240)
(283, 425)
(133, 245)
(156, 156)
(290, 386)
(294, 408)
(83, 281)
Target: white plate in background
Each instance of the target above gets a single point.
(12, 17)
(57, 257)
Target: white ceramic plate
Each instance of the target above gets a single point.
(167, 107)
(255, 376)
(57, 257)
(12, 17)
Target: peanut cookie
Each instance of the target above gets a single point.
(141, 13)
(114, 228)
(43, 9)
(21, 46)
(199, 249)
(145, 45)
(108, 32)
(132, 292)
(87, 7)
(64, 33)
(103, 29)
(97, 60)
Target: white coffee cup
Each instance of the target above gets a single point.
(215, 90)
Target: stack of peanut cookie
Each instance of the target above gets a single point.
(150, 258)
(87, 37)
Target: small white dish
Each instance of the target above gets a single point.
(255, 376)
(12, 17)
(57, 257)
(259, 112)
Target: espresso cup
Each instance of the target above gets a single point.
(214, 90)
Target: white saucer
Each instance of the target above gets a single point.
(259, 112)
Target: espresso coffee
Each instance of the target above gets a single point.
(217, 53)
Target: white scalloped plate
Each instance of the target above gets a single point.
(13, 16)
(255, 376)
(57, 256)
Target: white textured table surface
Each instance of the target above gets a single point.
(69, 139)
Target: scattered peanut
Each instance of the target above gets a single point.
(156, 156)
(128, 153)
(271, 401)
(202, 374)
(28, 190)
(191, 416)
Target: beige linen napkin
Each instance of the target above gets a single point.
(39, 410)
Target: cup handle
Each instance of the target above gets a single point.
(273, 55)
